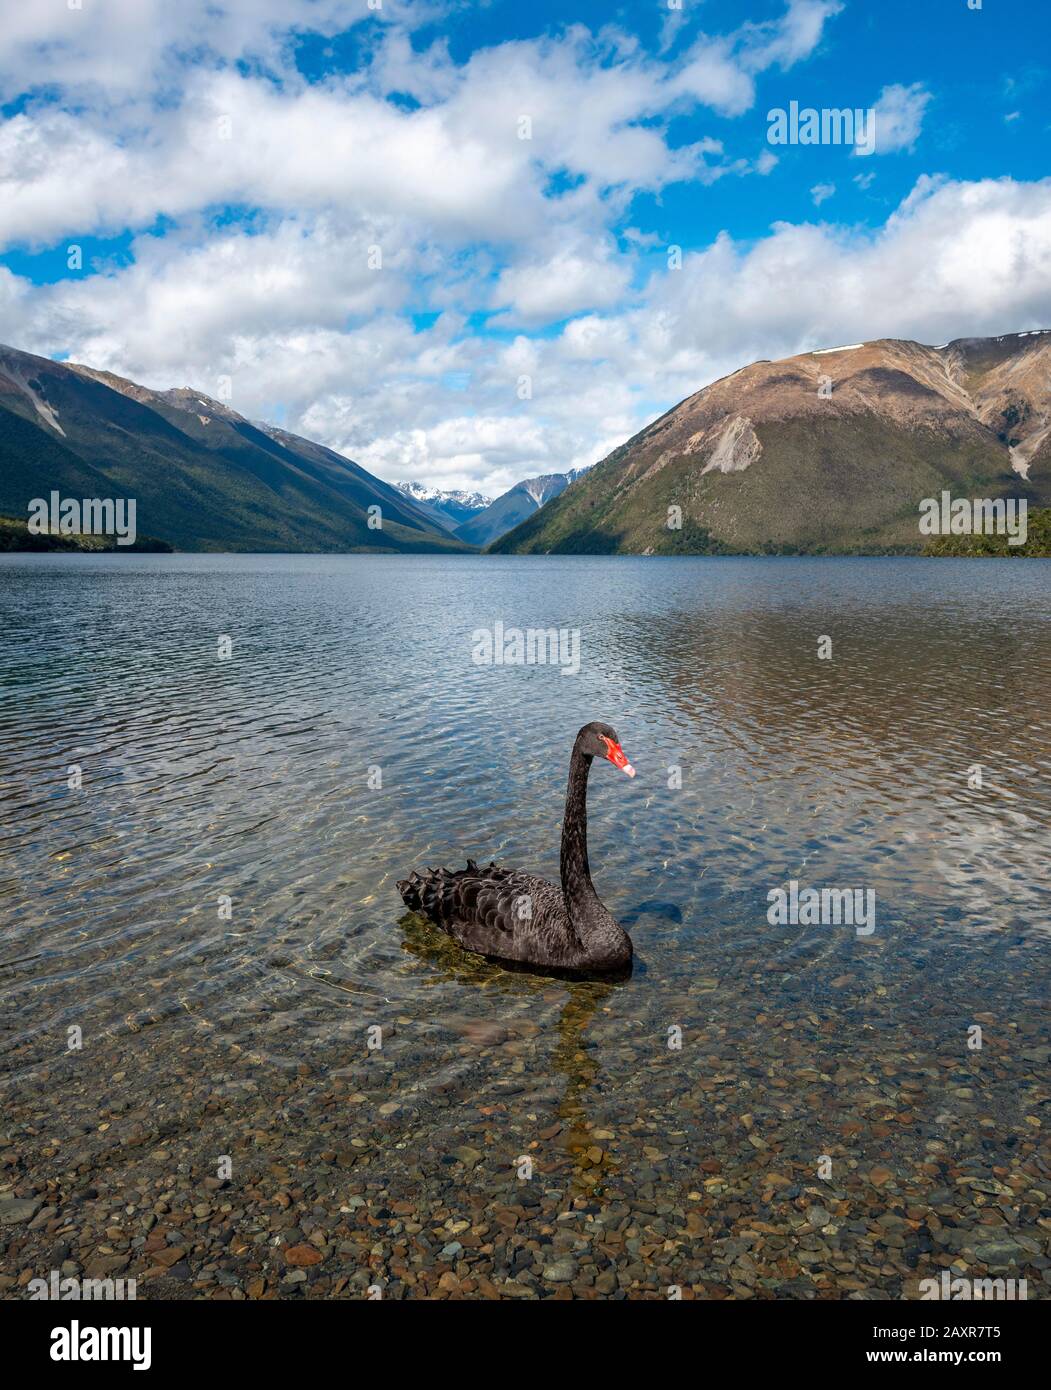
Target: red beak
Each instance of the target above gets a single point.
(617, 756)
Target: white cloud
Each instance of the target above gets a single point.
(565, 283)
(795, 36)
(471, 219)
(122, 49)
(457, 164)
(899, 117)
(303, 329)
(714, 76)
(821, 192)
(954, 259)
(497, 450)
(237, 140)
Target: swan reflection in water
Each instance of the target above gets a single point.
(571, 1057)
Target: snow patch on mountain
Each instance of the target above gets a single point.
(421, 493)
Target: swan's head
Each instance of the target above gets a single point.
(600, 740)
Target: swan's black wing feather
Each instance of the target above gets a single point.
(495, 911)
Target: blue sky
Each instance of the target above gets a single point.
(343, 227)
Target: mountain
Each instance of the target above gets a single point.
(1037, 543)
(15, 535)
(446, 509)
(203, 476)
(521, 501)
(829, 451)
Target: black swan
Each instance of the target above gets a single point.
(511, 916)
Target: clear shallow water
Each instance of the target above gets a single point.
(249, 778)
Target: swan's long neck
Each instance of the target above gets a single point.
(599, 934)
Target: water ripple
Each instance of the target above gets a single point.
(255, 778)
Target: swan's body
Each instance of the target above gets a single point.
(513, 916)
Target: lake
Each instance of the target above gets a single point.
(203, 955)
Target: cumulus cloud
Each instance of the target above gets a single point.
(899, 117)
(308, 333)
(235, 140)
(475, 157)
(955, 258)
(712, 74)
(476, 214)
(122, 49)
(792, 38)
(567, 282)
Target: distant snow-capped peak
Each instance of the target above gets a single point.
(421, 493)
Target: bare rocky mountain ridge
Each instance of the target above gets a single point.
(828, 450)
(905, 383)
